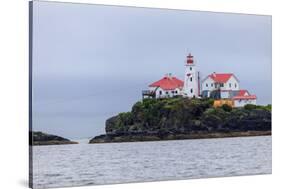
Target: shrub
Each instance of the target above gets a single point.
(268, 107)
(250, 106)
(125, 118)
(210, 101)
(226, 108)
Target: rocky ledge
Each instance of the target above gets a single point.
(40, 138)
(156, 137)
(182, 118)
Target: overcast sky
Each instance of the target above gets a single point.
(91, 62)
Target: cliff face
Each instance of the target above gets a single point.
(156, 119)
(39, 138)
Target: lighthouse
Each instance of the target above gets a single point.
(191, 78)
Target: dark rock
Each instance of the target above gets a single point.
(183, 118)
(40, 138)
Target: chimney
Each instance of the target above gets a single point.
(168, 75)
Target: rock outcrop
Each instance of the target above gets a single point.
(40, 138)
(182, 118)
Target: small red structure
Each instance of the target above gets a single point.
(189, 59)
(243, 95)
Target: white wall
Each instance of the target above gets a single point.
(209, 84)
(191, 87)
(230, 84)
(241, 103)
(161, 93)
(224, 94)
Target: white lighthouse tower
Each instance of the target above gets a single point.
(191, 79)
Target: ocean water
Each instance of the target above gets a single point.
(94, 164)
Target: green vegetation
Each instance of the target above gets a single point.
(181, 115)
(226, 108)
(252, 107)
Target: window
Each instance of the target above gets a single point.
(173, 92)
(206, 84)
(212, 84)
(167, 92)
(160, 92)
(221, 85)
(191, 79)
(230, 85)
(191, 90)
(176, 92)
(235, 85)
(190, 68)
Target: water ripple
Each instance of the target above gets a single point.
(90, 164)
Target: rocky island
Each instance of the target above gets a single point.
(185, 118)
(40, 138)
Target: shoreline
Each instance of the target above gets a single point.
(146, 138)
(184, 118)
(38, 138)
(47, 143)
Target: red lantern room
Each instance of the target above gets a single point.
(189, 59)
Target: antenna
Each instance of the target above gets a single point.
(187, 50)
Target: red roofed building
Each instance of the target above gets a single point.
(224, 87)
(168, 86)
(243, 97)
(168, 83)
(224, 82)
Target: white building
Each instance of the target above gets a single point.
(216, 85)
(222, 82)
(191, 79)
(226, 86)
(244, 97)
(168, 86)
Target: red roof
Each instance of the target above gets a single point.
(244, 94)
(168, 83)
(244, 97)
(220, 77)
